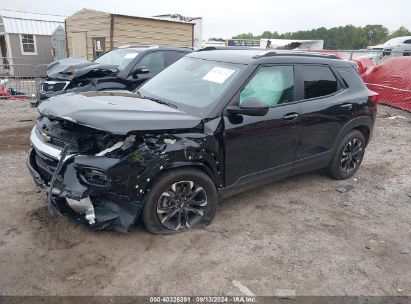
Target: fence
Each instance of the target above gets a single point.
(20, 81)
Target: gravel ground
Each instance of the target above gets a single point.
(298, 235)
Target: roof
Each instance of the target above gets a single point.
(257, 56)
(142, 48)
(16, 22)
(397, 40)
(130, 16)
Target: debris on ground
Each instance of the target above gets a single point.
(380, 187)
(344, 188)
(214, 229)
(397, 117)
(242, 288)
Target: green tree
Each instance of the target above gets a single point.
(376, 33)
(402, 31)
(216, 39)
(245, 36)
(341, 37)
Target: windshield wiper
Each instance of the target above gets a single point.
(158, 101)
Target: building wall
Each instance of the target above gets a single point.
(132, 30)
(23, 63)
(96, 25)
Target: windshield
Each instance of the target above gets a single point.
(120, 57)
(193, 85)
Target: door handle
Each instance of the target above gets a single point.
(346, 106)
(290, 116)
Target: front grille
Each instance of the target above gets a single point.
(46, 164)
(54, 86)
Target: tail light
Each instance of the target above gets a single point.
(373, 97)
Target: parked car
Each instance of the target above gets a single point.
(214, 121)
(125, 68)
(395, 47)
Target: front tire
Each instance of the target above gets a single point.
(180, 199)
(348, 156)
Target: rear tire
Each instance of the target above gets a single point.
(180, 199)
(348, 156)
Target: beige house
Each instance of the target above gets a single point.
(90, 33)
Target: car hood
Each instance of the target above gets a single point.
(117, 112)
(70, 68)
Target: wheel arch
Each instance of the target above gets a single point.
(201, 166)
(363, 124)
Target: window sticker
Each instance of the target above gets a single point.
(218, 75)
(131, 55)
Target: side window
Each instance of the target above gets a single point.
(173, 56)
(273, 85)
(154, 61)
(318, 81)
(407, 41)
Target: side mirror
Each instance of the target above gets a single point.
(250, 106)
(141, 70)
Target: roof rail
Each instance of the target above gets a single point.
(214, 48)
(271, 53)
(153, 46)
(296, 53)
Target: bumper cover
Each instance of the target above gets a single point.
(70, 195)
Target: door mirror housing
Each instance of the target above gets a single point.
(141, 70)
(250, 106)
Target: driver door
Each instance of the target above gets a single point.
(258, 147)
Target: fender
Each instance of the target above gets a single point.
(202, 165)
(366, 121)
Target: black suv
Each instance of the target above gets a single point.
(212, 122)
(125, 68)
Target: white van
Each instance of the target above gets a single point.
(400, 46)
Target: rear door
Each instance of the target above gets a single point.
(325, 109)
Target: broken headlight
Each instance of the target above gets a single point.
(95, 177)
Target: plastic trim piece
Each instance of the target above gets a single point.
(38, 144)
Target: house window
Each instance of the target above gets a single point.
(28, 44)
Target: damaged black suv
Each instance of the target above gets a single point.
(214, 121)
(124, 68)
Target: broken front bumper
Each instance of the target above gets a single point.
(109, 205)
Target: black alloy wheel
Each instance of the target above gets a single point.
(182, 205)
(179, 200)
(351, 155)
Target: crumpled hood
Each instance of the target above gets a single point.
(70, 68)
(117, 112)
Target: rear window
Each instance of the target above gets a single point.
(318, 81)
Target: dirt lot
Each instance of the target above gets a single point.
(297, 235)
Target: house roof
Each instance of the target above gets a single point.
(16, 22)
(131, 16)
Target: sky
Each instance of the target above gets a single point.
(228, 18)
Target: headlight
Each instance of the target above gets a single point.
(95, 177)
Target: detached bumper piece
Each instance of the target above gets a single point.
(98, 204)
